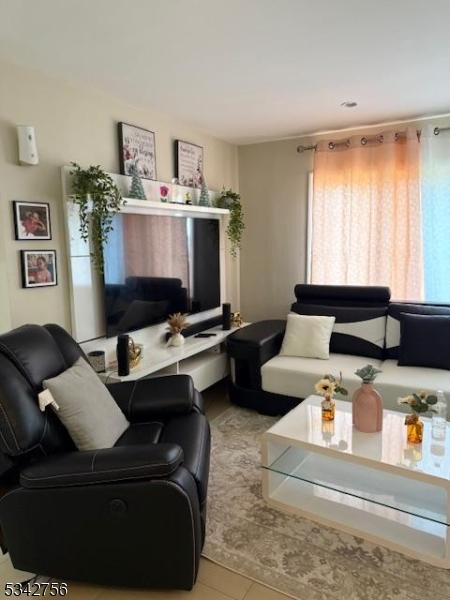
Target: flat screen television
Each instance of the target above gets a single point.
(156, 265)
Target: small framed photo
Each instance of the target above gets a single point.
(188, 163)
(137, 151)
(32, 220)
(38, 268)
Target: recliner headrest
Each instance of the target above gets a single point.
(34, 352)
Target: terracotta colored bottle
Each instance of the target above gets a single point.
(367, 409)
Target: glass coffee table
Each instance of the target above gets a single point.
(373, 485)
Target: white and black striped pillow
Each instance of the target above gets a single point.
(358, 330)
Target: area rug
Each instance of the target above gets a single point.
(292, 554)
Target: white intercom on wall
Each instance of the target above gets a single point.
(28, 154)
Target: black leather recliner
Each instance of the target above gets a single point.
(130, 515)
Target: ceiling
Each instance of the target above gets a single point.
(245, 70)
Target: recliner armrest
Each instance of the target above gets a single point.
(122, 463)
(145, 399)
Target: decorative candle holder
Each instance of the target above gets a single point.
(97, 360)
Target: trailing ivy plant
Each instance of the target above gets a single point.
(98, 199)
(232, 201)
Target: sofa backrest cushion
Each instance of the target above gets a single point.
(359, 331)
(393, 322)
(343, 295)
(360, 313)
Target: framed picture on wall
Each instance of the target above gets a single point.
(32, 220)
(38, 268)
(188, 163)
(137, 151)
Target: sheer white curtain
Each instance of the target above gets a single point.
(366, 214)
(435, 186)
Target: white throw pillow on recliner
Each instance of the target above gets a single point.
(307, 336)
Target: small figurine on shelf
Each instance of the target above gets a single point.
(204, 194)
(164, 193)
(236, 319)
(134, 353)
(136, 189)
(188, 198)
(327, 387)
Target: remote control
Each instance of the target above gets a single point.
(205, 335)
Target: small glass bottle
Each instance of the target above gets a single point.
(439, 418)
(328, 408)
(414, 429)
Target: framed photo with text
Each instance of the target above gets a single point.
(188, 163)
(38, 268)
(137, 151)
(32, 220)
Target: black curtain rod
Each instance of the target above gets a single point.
(364, 140)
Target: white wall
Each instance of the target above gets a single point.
(273, 182)
(74, 123)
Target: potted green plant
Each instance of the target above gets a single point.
(232, 201)
(98, 199)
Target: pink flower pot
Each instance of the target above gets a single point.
(367, 409)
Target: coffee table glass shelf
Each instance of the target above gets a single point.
(373, 485)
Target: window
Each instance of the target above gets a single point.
(380, 214)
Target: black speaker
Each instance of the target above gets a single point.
(123, 359)
(226, 316)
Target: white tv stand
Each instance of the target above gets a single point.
(204, 359)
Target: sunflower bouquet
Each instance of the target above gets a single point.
(327, 387)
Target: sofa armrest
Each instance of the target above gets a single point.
(123, 463)
(145, 399)
(251, 347)
(259, 341)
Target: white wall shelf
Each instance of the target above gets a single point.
(176, 193)
(174, 208)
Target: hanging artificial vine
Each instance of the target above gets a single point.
(232, 201)
(98, 199)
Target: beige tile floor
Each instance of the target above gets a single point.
(213, 583)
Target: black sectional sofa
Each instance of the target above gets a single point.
(367, 330)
